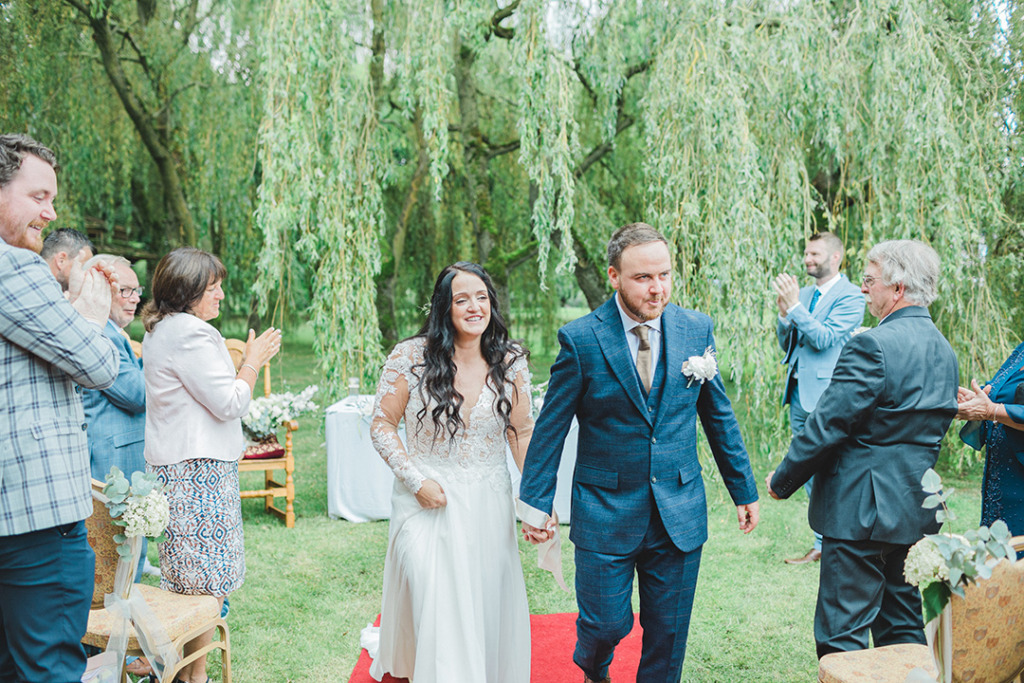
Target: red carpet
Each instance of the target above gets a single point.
(554, 637)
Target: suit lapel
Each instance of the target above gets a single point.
(611, 339)
(676, 347)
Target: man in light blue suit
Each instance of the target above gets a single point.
(636, 373)
(116, 416)
(814, 324)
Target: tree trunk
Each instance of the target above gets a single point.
(158, 145)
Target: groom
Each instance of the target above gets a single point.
(627, 373)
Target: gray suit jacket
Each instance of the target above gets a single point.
(875, 431)
(46, 347)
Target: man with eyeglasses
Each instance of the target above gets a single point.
(814, 323)
(874, 433)
(116, 416)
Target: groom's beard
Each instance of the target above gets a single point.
(638, 309)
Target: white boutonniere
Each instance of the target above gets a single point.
(859, 330)
(700, 368)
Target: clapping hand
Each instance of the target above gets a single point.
(96, 286)
(788, 290)
(259, 350)
(974, 403)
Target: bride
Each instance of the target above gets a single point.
(454, 604)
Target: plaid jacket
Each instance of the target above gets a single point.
(46, 347)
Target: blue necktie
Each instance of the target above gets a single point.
(814, 299)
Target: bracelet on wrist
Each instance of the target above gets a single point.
(254, 370)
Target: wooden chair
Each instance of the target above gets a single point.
(272, 488)
(988, 638)
(184, 617)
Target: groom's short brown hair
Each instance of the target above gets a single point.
(628, 236)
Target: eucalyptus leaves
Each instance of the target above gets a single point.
(140, 507)
(943, 564)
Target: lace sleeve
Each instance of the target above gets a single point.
(521, 417)
(388, 410)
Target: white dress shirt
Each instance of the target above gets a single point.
(194, 401)
(653, 337)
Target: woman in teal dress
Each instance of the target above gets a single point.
(995, 415)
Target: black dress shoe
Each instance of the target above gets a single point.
(811, 556)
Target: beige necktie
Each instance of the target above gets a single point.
(643, 356)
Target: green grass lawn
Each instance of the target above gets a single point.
(309, 590)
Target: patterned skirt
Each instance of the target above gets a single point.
(204, 553)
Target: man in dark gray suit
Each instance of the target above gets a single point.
(874, 432)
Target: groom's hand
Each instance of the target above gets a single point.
(749, 515)
(535, 535)
(768, 485)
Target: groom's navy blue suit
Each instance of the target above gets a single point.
(638, 497)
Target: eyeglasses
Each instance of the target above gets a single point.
(869, 280)
(126, 292)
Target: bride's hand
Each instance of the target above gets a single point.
(431, 495)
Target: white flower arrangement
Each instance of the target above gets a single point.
(266, 413)
(942, 564)
(700, 368)
(140, 507)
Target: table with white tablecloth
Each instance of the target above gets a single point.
(359, 482)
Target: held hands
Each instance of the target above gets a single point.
(749, 515)
(974, 403)
(788, 290)
(431, 495)
(537, 536)
(258, 350)
(95, 288)
(76, 276)
(768, 485)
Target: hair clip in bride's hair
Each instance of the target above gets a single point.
(425, 308)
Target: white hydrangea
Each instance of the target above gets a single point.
(146, 515)
(266, 413)
(925, 564)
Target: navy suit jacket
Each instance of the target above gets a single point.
(875, 431)
(812, 340)
(629, 452)
(116, 416)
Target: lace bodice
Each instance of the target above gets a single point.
(476, 453)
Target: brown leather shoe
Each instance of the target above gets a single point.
(811, 556)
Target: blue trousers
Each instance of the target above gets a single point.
(46, 581)
(797, 418)
(604, 591)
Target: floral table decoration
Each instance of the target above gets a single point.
(266, 416)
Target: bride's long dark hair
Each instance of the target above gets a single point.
(437, 372)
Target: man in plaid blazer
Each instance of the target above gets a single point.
(47, 346)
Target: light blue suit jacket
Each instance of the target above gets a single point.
(812, 341)
(116, 416)
(631, 452)
(46, 348)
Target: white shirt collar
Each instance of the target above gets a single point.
(829, 285)
(628, 323)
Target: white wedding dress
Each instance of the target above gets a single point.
(454, 603)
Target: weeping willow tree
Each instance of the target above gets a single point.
(150, 108)
(399, 137)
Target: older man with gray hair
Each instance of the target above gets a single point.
(872, 436)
